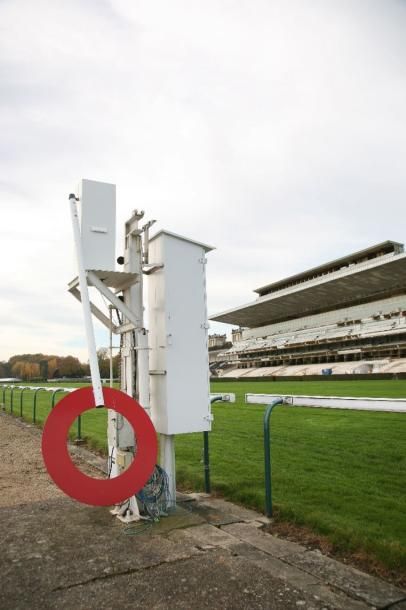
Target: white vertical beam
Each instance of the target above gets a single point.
(397, 405)
(143, 369)
(87, 314)
(111, 344)
(167, 461)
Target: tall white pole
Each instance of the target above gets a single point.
(87, 314)
(111, 344)
(168, 462)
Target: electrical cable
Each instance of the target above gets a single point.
(110, 462)
(154, 496)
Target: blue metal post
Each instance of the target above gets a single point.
(21, 399)
(11, 395)
(206, 454)
(34, 407)
(267, 455)
(53, 396)
(4, 392)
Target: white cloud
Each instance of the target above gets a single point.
(273, 131)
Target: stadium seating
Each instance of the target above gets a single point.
(338, 368)
(348, 315)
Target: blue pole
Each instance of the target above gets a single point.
(206, 454)
(267, 455)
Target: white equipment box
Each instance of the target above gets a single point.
(97, 201)
(179, 363)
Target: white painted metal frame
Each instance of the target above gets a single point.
(396, 405)
(135, 348)
(87, 313)
(93, 279)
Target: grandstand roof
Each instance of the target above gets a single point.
(370, 253)
(357, 278)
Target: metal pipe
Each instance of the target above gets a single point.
(34, 406)
(206, 454)
(5, 388)
(114, 300)
(87, 315)
(111, 344)
(11, 395)
(267, 455)
(3, 398)
(53, 396)
(79, 423)
(206, 459)
(21, 399)
(9, 387)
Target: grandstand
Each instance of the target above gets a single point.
(347, 316)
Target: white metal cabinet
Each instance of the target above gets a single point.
(179, 366)
(97, 203)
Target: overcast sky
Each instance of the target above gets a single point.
(272, 129)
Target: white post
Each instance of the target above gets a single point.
(168, 463)
(143, 369)
(130, 374)
(111, 344)
(87, 314)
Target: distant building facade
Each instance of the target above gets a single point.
(216, 341)
(217, 344)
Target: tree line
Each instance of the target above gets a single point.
(40, 367)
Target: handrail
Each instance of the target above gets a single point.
(34, 406)
(206, 455)
(357, 403)
(21, 398)
(267, 455)
(54, 394)
(36, 389)
(12, 388)
(4, 387)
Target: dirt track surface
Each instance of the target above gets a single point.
(23, 476)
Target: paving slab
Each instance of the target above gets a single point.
(213, 515)
(206, 535)
(272, 545)
(237, 513)
(214, 580)
(336, 599)
(308, 583)
(348, 579)
(59, 543)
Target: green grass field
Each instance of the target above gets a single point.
(342, 473)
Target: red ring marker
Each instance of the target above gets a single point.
(69, 478)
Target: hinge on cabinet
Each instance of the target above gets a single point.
(205, 325)
(202, 260)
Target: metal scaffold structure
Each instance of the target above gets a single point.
(163, 366)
